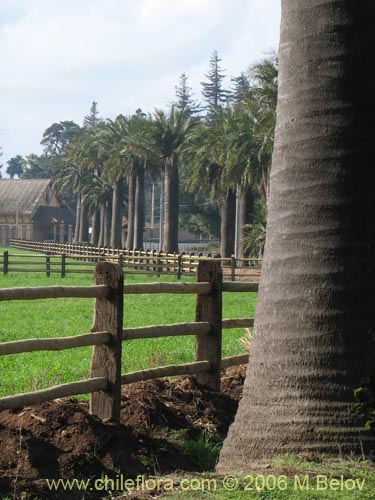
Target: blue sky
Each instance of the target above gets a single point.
(57, 57)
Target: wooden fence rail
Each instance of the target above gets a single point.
(66, 258)
(108, 334)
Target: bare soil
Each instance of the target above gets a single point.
(60, 439)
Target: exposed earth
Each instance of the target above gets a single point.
(60, 439)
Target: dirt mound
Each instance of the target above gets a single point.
(60, 439)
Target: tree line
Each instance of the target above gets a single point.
(199, 156)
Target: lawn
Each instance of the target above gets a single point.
(63, 317)
(285, 478)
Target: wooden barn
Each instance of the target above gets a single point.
(30, 210)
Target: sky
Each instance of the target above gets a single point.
(56, 58)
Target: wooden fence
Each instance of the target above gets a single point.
(66, 258)
(108, 334)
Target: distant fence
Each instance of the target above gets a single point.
(108, 334)
(64, 258)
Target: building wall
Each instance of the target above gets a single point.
(36, 232)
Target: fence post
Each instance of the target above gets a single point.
(209, 308)
(63, 265)
(160, 269)
(233, 268)
(179, 266)
(6, 262)
(121, 260)
(106, 359)
(48, 264)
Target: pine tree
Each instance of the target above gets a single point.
(185, 98)
(213, 92)
(241, 89)
(92, 119)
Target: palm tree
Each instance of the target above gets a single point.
(311, 346)
(98, 193)
(263, 94)
(130, 160)
(86, 154)
(224, 157)
(116, 168)
(69, 178)
(166, 141)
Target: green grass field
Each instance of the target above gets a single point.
(63, 317)
(286, 478)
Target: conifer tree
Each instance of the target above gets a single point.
(213, 92)
(92, 119)
(185, 98)
(241, 88)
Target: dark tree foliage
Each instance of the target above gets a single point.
(240, 91)
(15, 166)
(57, 137)
(39, 167)
(185, 98)
(92, 119)
(213, 92)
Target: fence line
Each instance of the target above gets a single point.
(59, 391)
(54, 292)
(67, 257)
(157, 331)
(108, 334)
(55, 344)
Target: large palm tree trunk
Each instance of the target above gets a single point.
(84, 221)
(131, 203)
(78, 219)
(139, 212)
(227, 223)
(107, 224)
(171, 209)
(246, 216)
(315, 313)
(95, 227)
(117, 204)
(101, 225)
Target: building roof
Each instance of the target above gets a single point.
(21, 195)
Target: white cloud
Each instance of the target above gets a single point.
(58, 57)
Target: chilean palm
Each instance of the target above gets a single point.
(165, 141)
(131, 161)
(116, 169)
(87, 153)
(312, 343)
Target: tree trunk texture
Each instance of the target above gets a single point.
(227, 224)
(139, 210)
(246, 216)
(84, 222)
(171, 209)
(131, 204)
(315, 314)
(117, 204)
(107, 224)
(78, 219)
(95, 227)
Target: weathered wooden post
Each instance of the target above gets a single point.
(106, 359)
(209, 308)
(233, 268)
(48, 264)
(179, 266)
(160, 264)
(6, 262)
(63, 265)
(121, 260)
